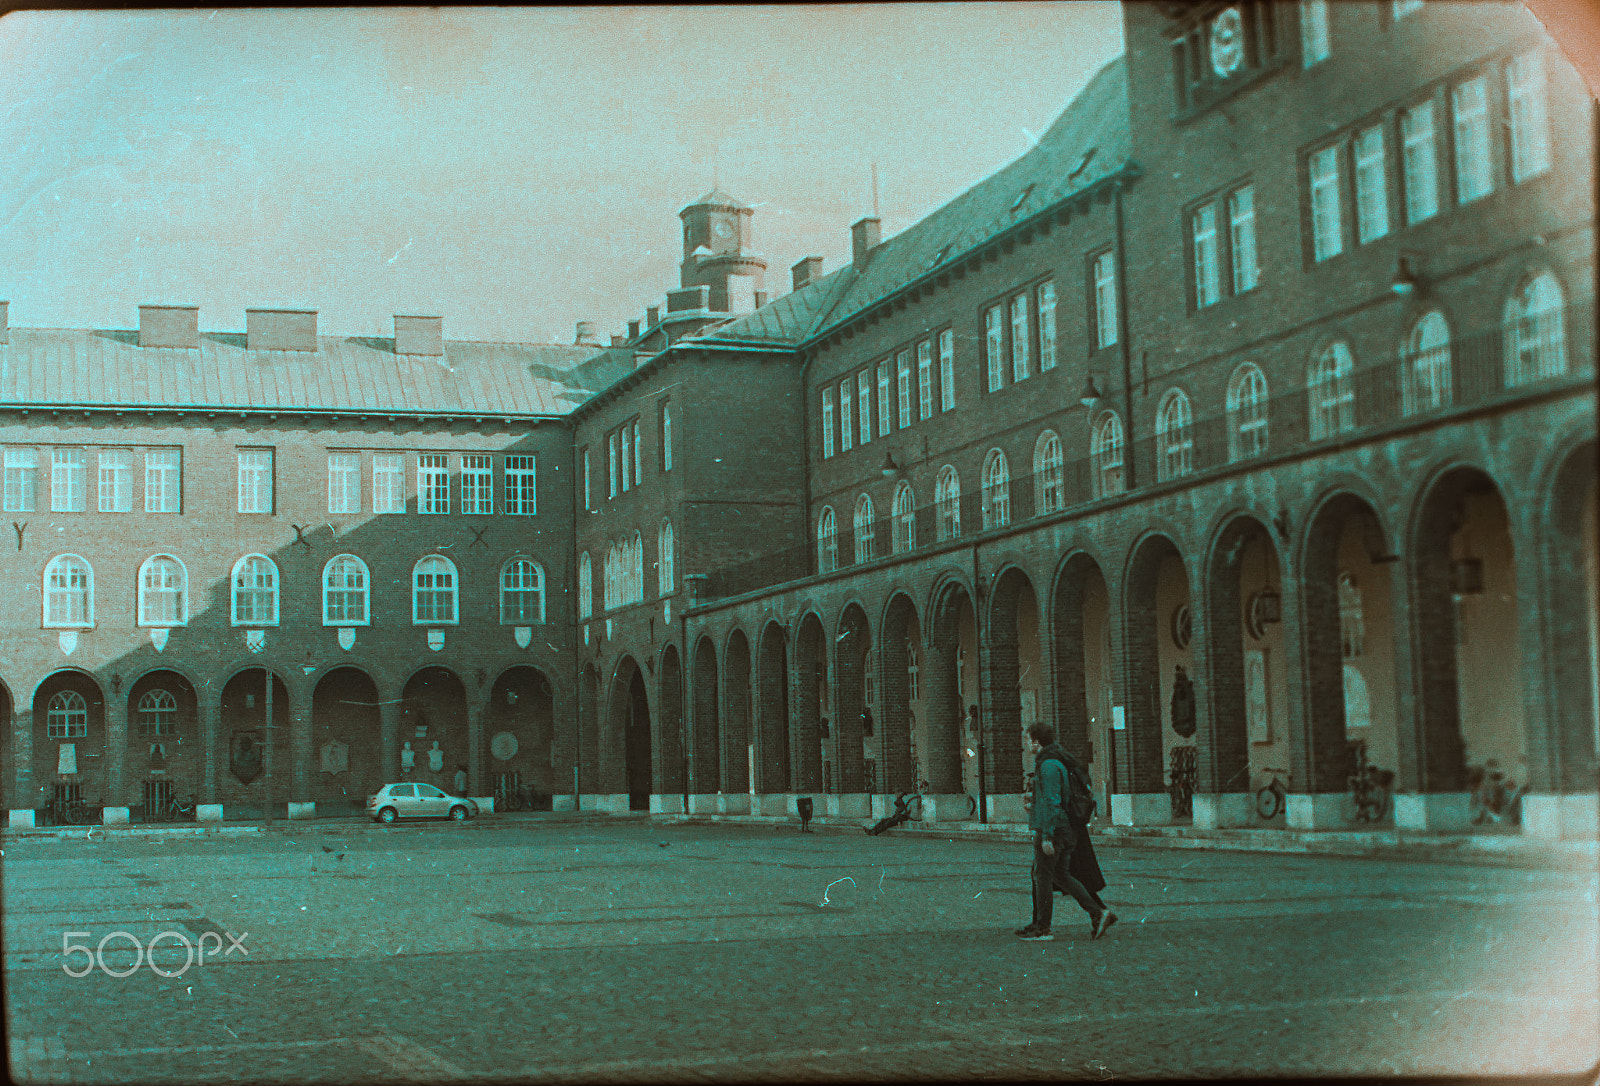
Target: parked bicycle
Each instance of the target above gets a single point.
(1371, 788)
(1495, 799)
(1272, 799)
(173, 811)
(69, 811)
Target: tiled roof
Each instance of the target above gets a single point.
(785, 321)
(66, 367)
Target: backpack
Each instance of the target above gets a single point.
(1079, 801)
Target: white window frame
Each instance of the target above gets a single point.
(1535, 331)
(1427, 383)
(883, 398)
(1021, 339)
(361, 591)
(115, 479)
(666, 436)
(1049, 474)
(638, 456)
(513, 582)
(1207, 256)
(1420, 163)
(1314, 42)
(902, 374)
(1046, 295)
(69, 481)
(627, 456)
(163, 480)
(864, 406)
(163, 587)
(827, 422)
(1247, 412)
(433, 484)
(435, 566)
(1331, 391)
(585, 586)
(1469, 107)
(996, 493)
(521, 473)
(1174, 436)
(1242, 238)
(925, 380)
(903, 532)
(588, 500)
(993, 344)
(666, 559)
(865, 531)
(947, 370)
(1327, 221)
(344, 482)
(256, 489)
(827, 541)
(156, 714)
(847, 394)
(22, 480)
(1528, 114)
(947, 503)
(1372, 184)
(611, 463)
(68, 582)
(1105, 299)
(67, 716)
(1106, 449)
(254, 580)
(388, 483)
(477, 483)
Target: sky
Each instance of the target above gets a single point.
(513, 170)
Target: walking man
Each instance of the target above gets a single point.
(1056, 836)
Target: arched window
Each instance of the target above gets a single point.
(67, 716)
(1049, 482)
(666, 578)
(1247, 412)
(947, 503)
(433, 591)
(905, 519)
(158, 713)
(521, 593)
(585, 586)
(827, 541)
(1536, 344)
(1352, 626)
(163, 592)
(346, 586)
(866, 534)
(68, 592)
(1425, 372)
(1174, 437)
(1105, 456)
(255, 591)
(996, 490)
(636, 578)
(610, 594)
(1332, 392)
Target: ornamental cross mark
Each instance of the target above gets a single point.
(300, 536)
(477, 536)
(23, 527)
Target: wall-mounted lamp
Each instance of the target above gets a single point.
(890, 469)
(1091, 392)
(1405, 281)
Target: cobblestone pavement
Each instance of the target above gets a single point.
(665, 953)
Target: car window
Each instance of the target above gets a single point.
(428, 791)
(403, 790)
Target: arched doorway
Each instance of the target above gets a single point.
(255, 764)
(772, 709)
(810, 704)
(950, 679)
(9, 762)
(738, 753)
(902, 713)
(1082, 666)
(705, 767)
(1158, 630)
(669, 732)
(346, 741)
(164, 755)
(1015, 688)
(69, 743)
(851, 647)
(520, 740)
(626, 747)
(433, 727)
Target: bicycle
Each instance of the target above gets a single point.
(1370, 788)
(173, 811)
(1494, 798)
(68, 812)
(1272, 799)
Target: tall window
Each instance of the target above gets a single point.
(883, 398)
(947, 503)
(902, 370)
(67, 716)
(1207, 274)
(163, 584)
(611, 464)
(638, 455)
(157, 714)
(1247, 412)
(610, 578)
(69, 472)
(1050, 490)
(22, 480)
(388, 483)
(433, 595)
(1313, 32)
(1327, 228)
(1020, 338)
(1242, 238)
(163, 481)
(827, 541)
(636, 568)
(666, 548)
(1474, 170)
(666, 436)
(865, 532)
(255, 480)
(1426, 383)
(477, 483)
(627, 456)
(846, 426)
(993, 344)
(1352, 622)
(1332, 392)
(344, 482)
(925, 379)
(1105, 299)
(1105, 456)
(947, 370)
(433, 483)
(1530, 124)
(255, 591)
(68, 592)
(346, 585)
(522, 484)
(521, 593)
(1047, 325)
(864, 405)
(904, 530)
(1174, 436)
(1535, 335)
(116, 481)
(585, 586)
(588, 502)
(1420, 163)
(1372, 197)
(827, 423)
(996, 490)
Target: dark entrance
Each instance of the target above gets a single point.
(636, 744)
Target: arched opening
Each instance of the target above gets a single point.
(69, 743)
(810, 704)
(1082, 665)
(519, 741)
(10, 786)
(626, 747)
(164, 756)
(950, 678)
(1159, 728)
(705, 770)
(1016, 672)
(256, 763)
(851, 646)
(346, 741)
(738, 754)
(772, 714)
(669, 733)
(901, 723)
(433, 727)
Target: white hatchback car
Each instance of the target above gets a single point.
(418, 800)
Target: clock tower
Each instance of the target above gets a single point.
(716, 237)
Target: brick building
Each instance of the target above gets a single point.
(1242, 428)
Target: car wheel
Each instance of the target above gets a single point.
(387, 815)
(458, 814)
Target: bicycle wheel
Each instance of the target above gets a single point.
(1269, 802)
(972, 807)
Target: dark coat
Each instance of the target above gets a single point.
(1083, 866)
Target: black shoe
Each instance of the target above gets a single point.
(1102, 924)
(1034, 934)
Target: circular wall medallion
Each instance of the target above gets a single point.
(1227, 42)
(1182, 626)
(503, 746)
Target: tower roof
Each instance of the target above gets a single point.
(718, 198)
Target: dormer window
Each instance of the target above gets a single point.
(1218, 54)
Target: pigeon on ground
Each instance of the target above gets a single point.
(325, 848)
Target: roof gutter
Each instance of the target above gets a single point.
(275, 411)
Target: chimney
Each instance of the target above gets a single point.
(280, 329)
(5, 322)
(652, 316)
(808, 270)
(864, 237)
(419, 335)
(761, 298)
(585, 336)
(633, 329)
(616, 340)
(169, 326)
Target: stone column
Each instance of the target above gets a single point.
(301, 804)
(116, 722)
(477, 714)
(27, 795)
(208, 704)
(389, 715)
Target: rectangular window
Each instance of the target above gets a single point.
(902, 372)
(666, 437)
(1242, 239)
(344, 482)
(993, 334)
(587, 503)
(433, 483)
(477, 483)
(947, 370)
(255, 480)
(1372, 197)
(883, 398)
(627, 457)
(1530, 124)
(1207, 275)
(388, 483)
(1105, 300)
(864, 405)
(1474, 177)
(925, 379)
(1047, 326)
(69, 473)
(1314, 45)
(827, 423)
(611, 465)
(1021, 340)
(163, 481)
(1420, 163)
(522, 478)
(1327, 231)
(846, 427)
(22, 480)
(638, 456)
(116, 481)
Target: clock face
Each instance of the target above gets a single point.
(1227, 42)
(722, 229)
